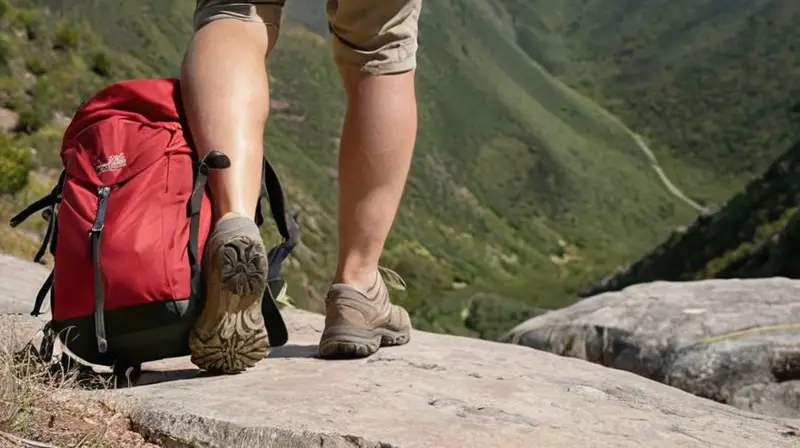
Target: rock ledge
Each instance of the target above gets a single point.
(438, 391)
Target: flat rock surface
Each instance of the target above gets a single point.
(438, 391)
(733, 341)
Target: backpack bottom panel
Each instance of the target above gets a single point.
(135, 334)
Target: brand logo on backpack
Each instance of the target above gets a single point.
(115, 163)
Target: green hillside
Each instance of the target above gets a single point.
(711, 84)
(522, 190)
(754, 235)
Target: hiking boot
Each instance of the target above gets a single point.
(229, 335)
(358, 323)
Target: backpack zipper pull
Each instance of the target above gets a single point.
(102, 203)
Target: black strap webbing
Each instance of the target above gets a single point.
(289, 229)
(99, 299)
(287, 225)
(50, 215)
(95, 235)
(48, 201)
(212, 161)
(49, 207)
(46, 288)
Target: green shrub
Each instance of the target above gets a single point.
(27, 20)
(47, 143)
(8, 49)
(66, 37)
(491, 315)
(31, 119)
(36, 64)
(101, 62)
(15, 163)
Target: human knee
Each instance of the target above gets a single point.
(377, 37)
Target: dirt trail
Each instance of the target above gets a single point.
(640, 143)
(671, 187)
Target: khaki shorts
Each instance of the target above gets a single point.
(378, 36)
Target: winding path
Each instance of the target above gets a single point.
(671, 187)
(640, 143)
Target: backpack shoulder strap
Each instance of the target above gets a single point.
(289, 229)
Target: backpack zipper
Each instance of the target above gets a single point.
(99, 301)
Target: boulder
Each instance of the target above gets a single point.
(438, 391)
(732, 341)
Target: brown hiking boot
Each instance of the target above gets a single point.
(358, 323)
(229, 335)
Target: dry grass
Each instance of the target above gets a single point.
(43, 406)
(18, 243)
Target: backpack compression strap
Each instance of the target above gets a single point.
(289, 229)
(49, 207)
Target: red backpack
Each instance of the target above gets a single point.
(127, 223)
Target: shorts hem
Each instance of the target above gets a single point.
(205, 15)
(380, 62)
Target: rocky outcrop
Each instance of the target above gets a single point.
(438, 392)
(733, 341)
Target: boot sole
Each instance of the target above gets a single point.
(229, 335)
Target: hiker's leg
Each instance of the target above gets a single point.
(375, 47)
(226, 98)
(379, 128)
(226, 94)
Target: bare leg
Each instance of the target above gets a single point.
(226, 98)
(374, 45)
(226, 95)
(376, 148)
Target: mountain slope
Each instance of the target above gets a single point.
(713, 87)
(711, 84)
(754, 235)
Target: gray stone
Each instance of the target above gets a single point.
(438, 391)
(733, 341)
